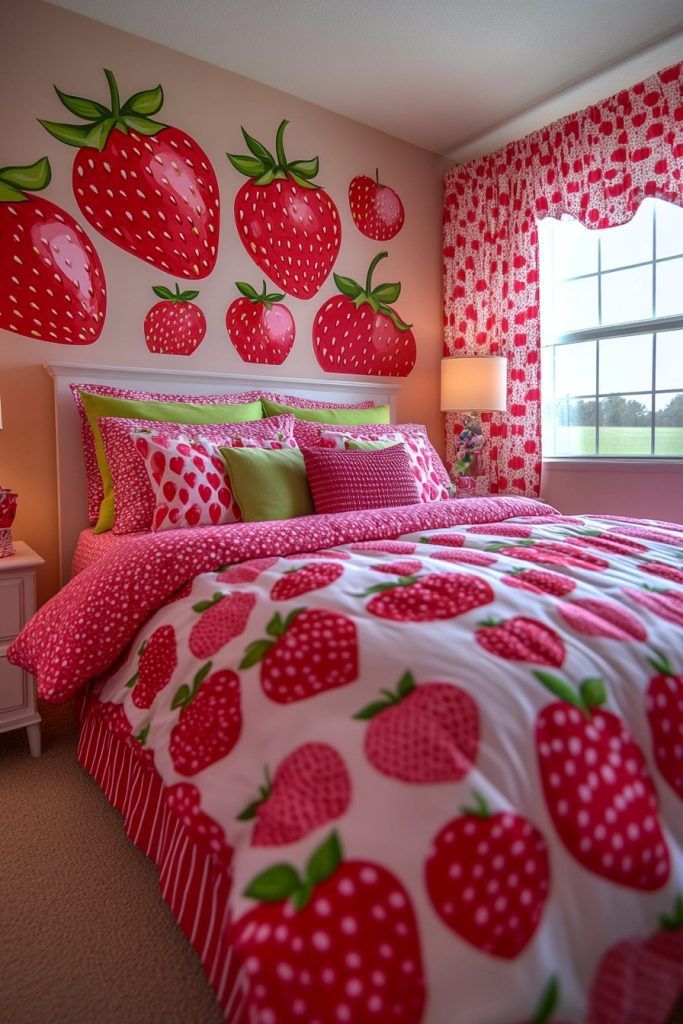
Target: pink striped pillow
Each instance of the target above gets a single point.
(348, 481)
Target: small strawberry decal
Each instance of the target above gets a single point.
(551, 553)
(648, 534)
(308, 652)
(538, 581)
(310, 788)
(522, 639)
(488, 877)
(376, 209)
(464, 556)
(296, 582)
(597, 788)
(289, 225)
(664, 706)
(184, 800)
(147, 187)
(401, 567)
(158, 661)
(604, 542)
(260, 327)
(174, 326)
(429, 597)
(665, 604)
(667, 572)
(350, 938)
(594, 617)
(53, 286)
(359, 332)
(210, 721)
(426, 733)
(222, 618)
(446, 540)
(391, 547)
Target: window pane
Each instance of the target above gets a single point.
(669, 230)
(627, 295)
(669, 360)
(625, 363)
(576, 304)
(625, 425)
(628, 243)
(669, 424)
(670, 288)
(575, 249)
(575, 426)
(575, 369)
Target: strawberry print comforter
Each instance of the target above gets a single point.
(439, 750)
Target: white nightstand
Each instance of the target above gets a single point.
(17, 604)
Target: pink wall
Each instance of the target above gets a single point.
(653, 491)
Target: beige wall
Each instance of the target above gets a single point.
(42, 45)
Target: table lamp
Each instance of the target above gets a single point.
(472, 384)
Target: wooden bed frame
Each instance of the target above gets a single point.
(71, 481)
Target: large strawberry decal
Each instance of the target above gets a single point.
(296, 582)
(158, 660)
(521, 639)
(147, 187)
(429, 597)
(426, 733)
(376, 209)
(210, 720)
(547, 552)
(488, 877)
(221, 618)
(664, 706)
(311, 787)
(307, 653)
(667, 572)
(597, 788)
(260, 327)
(666, 604)
(604, 542)
(593, 617)
(338, 944)
(53, 286)
(539, 581)
(289, 225)
(359, 332)
(174, 326)
(184, 800)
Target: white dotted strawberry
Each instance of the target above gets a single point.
(246, 572)
(404, 567)
(666, 604)
(260, 327)
(597, 788)
(376, 209)
(222, 618)
(452, 540)
(391, 547)
(289, 226)
(359, 332)
(547, 1005)
(210, 722)
(551, 553)
(604, 542)
(308, 652)
(158, 660)
(487, 876)
(539, 581)
(422, 733)
(301, 581)
(521, 639)
(502, 530)
(339, 944)
(647, 533)
(464, 556)
(174, 326)
(593, 617)
(147, 187)
(664, 706)
(311, 787)
(667, 572)
(184, 800)
(53, 285)
(343, 556)
(429, 597)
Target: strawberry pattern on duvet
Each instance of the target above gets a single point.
(448, 789)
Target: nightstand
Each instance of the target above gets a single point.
(18, 708)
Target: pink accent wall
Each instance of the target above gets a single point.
(653, 491)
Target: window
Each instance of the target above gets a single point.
(612, 336)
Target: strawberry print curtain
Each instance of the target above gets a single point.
(596, 165)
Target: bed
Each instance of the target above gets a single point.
(420, 764)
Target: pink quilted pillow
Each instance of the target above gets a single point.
(134, 498)
(348, 481)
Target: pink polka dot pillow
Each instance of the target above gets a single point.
(349, 481)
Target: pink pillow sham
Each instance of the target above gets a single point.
(348, 481)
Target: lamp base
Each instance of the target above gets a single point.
(6, 547)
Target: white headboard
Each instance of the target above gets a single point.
(70, 469)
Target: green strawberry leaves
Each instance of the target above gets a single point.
(134, 114)
(661, 663)
(265, 168)
(14, 181)
(672, 922)
(177, 296)
(276, 628)
(547, 1003)
(184, 695)
(379, 588)
(406, 685)
(282, 881)
(141, 737)
(250, 810)
(480, 810)
(592, 692)
(378, 298)
(266, 298)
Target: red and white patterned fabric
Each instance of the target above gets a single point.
(470, 716)
(134, 498)
(597, 165)
(92, 546)
(348, 481)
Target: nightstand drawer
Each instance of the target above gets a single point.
(12, 595)
(14, 693)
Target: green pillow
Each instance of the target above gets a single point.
(349, 417)
(268, 484)
(352, 444)
(96, 406)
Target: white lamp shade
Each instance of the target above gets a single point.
(474, 383)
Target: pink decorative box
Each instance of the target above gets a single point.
(8, 509)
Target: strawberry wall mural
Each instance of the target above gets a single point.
(174, 326)
(376, 209)
(359, 331)
(52, 283)
(289, 225)
(146, 186)
(260, 327)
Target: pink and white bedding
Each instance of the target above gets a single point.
(433, 755)
(91, 547)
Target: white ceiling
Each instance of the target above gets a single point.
(443, 74)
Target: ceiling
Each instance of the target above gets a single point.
(437, 73)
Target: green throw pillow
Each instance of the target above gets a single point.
(348, 417)
(97, 406)
(268, 484)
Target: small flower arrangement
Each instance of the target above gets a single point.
(469, 444)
